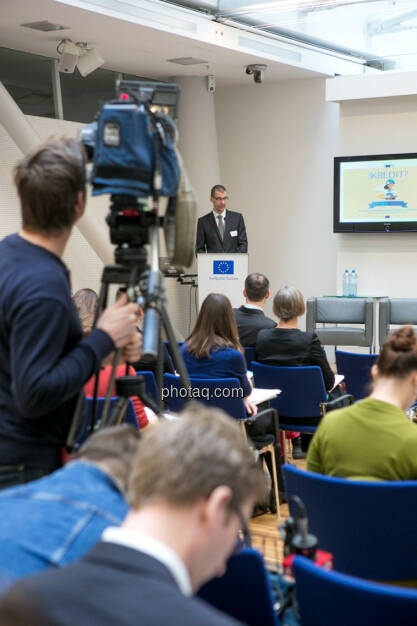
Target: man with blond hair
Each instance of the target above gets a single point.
(192, 488)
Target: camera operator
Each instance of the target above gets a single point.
(44, 362)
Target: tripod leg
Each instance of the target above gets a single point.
(178, 360)
(101, 305)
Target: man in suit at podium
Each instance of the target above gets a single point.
(250, 318)
(221, 230)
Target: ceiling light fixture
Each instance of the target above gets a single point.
(188, 61)
(45, 27)
(78, 55)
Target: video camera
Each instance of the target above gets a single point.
(132, 146)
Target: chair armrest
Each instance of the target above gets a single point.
(384, 321)
(311, 317)
(325, 405)
(275, 421)
(369, 321)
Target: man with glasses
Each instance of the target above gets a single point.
(221, 230)
(192, 489)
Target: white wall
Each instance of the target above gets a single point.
(386, 262)
(276, 148)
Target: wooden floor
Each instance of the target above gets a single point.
(265, 534)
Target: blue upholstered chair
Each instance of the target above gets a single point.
(369, 527)
(150, 384)
(243, 591)
(356, 369)
(130, 415)
(333, 599)
(303, 398)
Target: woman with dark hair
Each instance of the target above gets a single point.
(213, 350)
(374, 439)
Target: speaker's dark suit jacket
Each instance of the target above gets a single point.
(249, 323)
(112, 585)
(208, 236)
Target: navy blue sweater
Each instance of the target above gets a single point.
(44, 362)
(223, 362)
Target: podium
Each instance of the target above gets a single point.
(224, 273)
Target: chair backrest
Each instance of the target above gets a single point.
(357, 311)
(243, 591)
(330, 598)
(396, 311)
(221, 393)
(249, 356)
(357, 372)
(340, 310)
(130, 415)
(150, 384)
(369, 527)
(302, 389)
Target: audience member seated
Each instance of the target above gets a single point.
(287, 345)
(374, 438)
(213, 351)
(57, 519)
(250, 317)
(192, 487)
(85, 301)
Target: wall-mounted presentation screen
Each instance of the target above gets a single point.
(375, 193)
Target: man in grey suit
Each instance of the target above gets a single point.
(192, 487)
(221, 230)
(250, 317)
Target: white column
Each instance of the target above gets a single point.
(26, 139)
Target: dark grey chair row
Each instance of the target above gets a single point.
(358, 312)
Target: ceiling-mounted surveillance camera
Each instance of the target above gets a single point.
(258, 71)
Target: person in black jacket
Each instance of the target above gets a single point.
(250, 317)
(286, 344)
(193, 486)
(221, 230)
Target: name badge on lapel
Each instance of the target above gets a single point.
(233, 233)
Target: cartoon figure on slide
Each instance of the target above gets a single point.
(389, 190)
(387, 197)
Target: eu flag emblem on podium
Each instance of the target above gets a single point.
(223, 267)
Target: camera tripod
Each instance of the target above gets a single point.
(144, 285)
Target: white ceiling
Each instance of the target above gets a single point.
(127, 46)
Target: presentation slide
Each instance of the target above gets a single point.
(378, 191)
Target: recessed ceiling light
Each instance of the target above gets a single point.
(45, 26)
(187, 61)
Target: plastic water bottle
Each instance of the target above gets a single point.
(346, 283)
(353, 284)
